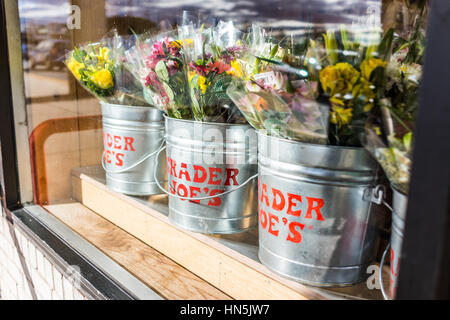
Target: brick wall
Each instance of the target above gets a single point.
(27, 272)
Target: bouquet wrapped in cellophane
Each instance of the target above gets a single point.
(349, 71)
(158, 63)
(274, 92)
(211, 59)
(392, 144)
(101, 69)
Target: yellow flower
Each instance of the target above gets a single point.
(404, 68)
(202, 83)
(191, 75)
(348, 73)
(182, 43)
(236, 69)
(103, 79)
(337, 101)
(75, 67)
(377, 130)
(339, 79)
(369, 65)
(366, 89)
(329, 78)
(103, 55)
(341, 116)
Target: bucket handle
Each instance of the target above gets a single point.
(148, 156)
(383, 259)
(193, 199)
(376, 195)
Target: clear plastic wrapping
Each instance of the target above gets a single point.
(211, 57)
(102, 70)
(391, 139)
(158, 63)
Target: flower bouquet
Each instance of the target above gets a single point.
(211, 65)
(100, 68)
(350, 76)
(158, 63)
(274, 93)
(392, 147)
(318, 91)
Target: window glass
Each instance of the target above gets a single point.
(59, 109)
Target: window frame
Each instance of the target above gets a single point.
(426, 252)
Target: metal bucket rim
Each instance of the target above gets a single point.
(128, 106)
(312, 145)
(398, 191)
(208, 123)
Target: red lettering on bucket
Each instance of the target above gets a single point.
(286, 210)
(262, 218)
(231, 175)
(197, 178)
(184, 172)
(295, 235)
(215, 202)
(264, 194)
(278, 206)
(185, 192)
(213, 175)
(173, 168)
(108, 156)
(119, 158)
(209, 176)
(115, 143)
(395, 265)
(195, 191)
(129, 143)
(272, 219)
(109, 140)
(316, 208)
(291, 204)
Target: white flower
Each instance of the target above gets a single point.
(414, 73)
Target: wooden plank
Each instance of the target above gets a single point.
(164, 276)
(228, 262)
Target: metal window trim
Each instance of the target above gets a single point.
(7, 133)
(102, 277)
(19, 106)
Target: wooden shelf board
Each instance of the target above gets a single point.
(161, 274)
(230, 263)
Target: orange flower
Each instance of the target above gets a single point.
(261, 105)
(218, 67)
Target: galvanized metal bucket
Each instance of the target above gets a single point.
(132, 137)
(400, 205)
(211, 170)
(317, 221)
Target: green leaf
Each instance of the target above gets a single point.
(385, 46)
(274, 51)
(407, 140)
(331, 47)
(168, 91)
(345, 41)
(161, 71)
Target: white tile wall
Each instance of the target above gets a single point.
(46, 281)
